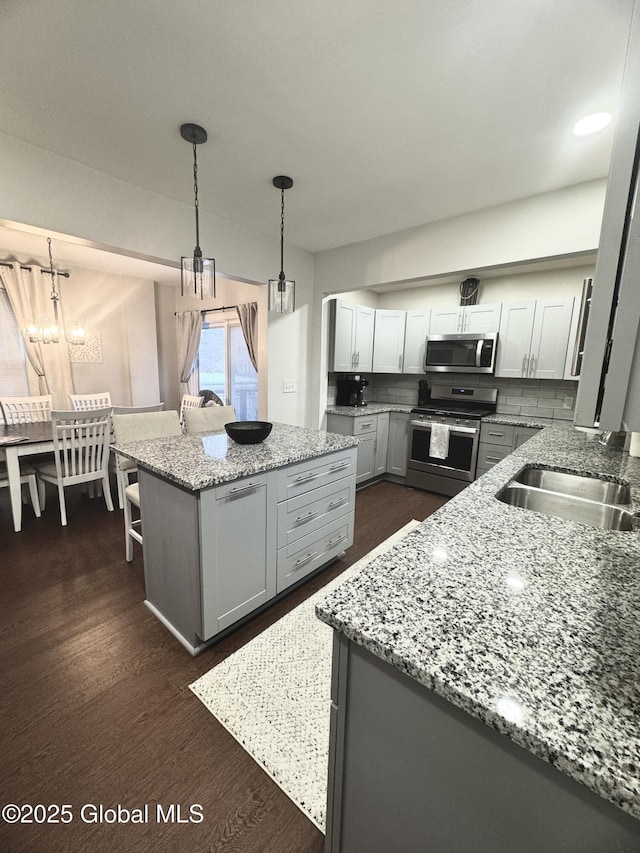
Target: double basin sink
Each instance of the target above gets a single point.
(574, 497)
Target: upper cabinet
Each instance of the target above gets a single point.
(351, 337)
(388, 341)
(467, 319)
(415, 337)
(533, 338)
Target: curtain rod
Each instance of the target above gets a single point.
(210, 310)
(22, 267)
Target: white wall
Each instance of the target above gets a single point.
(508, 288)
(47, 191)
(549, 225)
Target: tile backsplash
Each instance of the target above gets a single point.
(543, 398)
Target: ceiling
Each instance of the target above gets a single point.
(386, 115)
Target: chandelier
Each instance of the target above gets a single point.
(198, 274)
(50, 331)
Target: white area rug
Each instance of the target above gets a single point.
(273, 695)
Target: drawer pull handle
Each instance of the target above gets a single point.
(494, 458)
(236, 490)
(497, 433)
(333, 542)
(340, 466)
(340, 502)
(364, 426)
(303, 560)
(303, 519)
(305, 478)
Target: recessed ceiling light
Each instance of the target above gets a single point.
(592, 124)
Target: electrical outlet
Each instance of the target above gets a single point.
(288, 386)
(568, 402)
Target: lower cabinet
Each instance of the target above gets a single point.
(498, 441)
(236, 578)
(398, 444)
(372, 431)
(383, 442)
(213, 557)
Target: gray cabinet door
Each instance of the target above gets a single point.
(365, 469)
(388, 341)
(398, 444)
(364, 331)
(343, 321)
(415, 338)
(382, 443)
(235, 564)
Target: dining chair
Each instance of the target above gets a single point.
(139, 427)
(28, 477)
(81, 451)
(26, 410)
(209, 419)
(118, 464)
(189, 401)
(85, 402)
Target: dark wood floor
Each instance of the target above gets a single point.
(94, 700)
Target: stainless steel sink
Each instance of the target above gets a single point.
(575, 485)
(569, 507)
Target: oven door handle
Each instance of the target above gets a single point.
(428, 424)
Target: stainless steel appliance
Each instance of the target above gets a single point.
(350, 390)
(473, 352)
(453, 414)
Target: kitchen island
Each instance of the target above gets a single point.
(227, 527)
(486, 686)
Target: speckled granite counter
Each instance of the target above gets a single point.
(369, 409)
(524, 420)
(198, 461)
(530, 623)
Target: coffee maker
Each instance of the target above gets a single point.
(350, 390)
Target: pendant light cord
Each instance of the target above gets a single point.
(281, 276)
(195, 193)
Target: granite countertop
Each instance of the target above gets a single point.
(200, 460)
(528, 622)
(369, 409)
(523, 420)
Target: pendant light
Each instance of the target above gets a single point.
(198, 274)
(47, 331)
(282, 293)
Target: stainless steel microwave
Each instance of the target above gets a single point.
(463, 353)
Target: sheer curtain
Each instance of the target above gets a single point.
(28, 292)
(248, 316)
(189, 324)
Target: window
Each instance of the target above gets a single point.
(13, 371)
(224, 364)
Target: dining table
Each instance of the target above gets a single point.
(18, 440)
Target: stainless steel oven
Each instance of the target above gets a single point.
(444, 438)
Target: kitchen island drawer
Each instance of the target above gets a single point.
(300, 516)
(304, 476)
(304, 556)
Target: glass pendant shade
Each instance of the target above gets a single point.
(282, 296)
(198, 276)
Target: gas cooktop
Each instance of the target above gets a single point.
(460, 401)
(474, 413)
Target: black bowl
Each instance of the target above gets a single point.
(248, 432)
